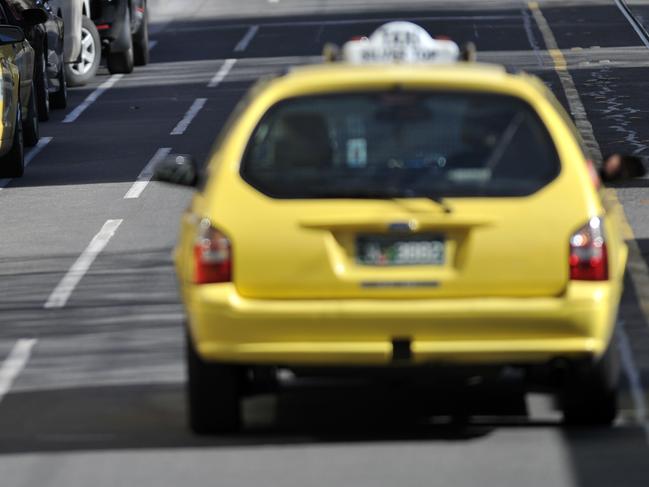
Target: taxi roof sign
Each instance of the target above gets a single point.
(401, 42)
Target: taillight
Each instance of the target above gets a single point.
(588, 256)
(212, 255)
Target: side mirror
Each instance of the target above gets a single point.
(11, 35)
(618, 168)
(34, 16)
(178, 169)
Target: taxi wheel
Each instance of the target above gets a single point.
(31, 132)
(12, 164)
(213, 393)
(41, 83)
(59, 99)
(81, 72)
(589, 396)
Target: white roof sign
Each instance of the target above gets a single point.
(400, 42)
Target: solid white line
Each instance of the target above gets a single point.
(189, 117)
(65, 288)
(101, 89)
(147, 173)
(247, 39)
(14, 364)
(626, 12)
(221, 74)
(29, 157)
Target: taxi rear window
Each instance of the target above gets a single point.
(400, 144)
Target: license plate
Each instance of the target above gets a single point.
(410, 250)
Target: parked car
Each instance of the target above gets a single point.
(82, 49)
(123, 26)
(47, 40)
(18, 118)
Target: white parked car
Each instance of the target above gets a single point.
(82, 42)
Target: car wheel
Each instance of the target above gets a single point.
(80, 73)
(59, 99)
(31, 131)
(12, 164)
(213, 394)
(41, 83)
(589, 395)
(122, 62)
(141, 43)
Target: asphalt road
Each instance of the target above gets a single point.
(98, 392)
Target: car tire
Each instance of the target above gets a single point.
(79, 74)
(41, 83)
(59, 99)
(122, 62)
(12, 165)
(213, 394)
(31, 130)
(141, 43)
(590, 393)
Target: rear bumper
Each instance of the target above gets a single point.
(229, 328)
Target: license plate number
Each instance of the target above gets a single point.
(382, 250)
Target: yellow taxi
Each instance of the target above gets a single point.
(19, 125)
(399, 209)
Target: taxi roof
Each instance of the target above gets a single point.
(338, 76)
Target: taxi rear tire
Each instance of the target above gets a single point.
(590, 393)
(12, 164)
(31, 130)
(213, 394)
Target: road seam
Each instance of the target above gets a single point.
(637, 267)
(189, 117)
(221, 74)
(146, 175)
(61, 294)
(92, 98)
(14, 364)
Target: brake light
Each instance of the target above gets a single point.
(588, 255)
(212, 255)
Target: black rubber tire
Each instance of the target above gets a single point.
(42, 83)
(213, 395)
(122, 62)
(31, 128)
(78, 78)
(590, 394)
(141, 43)
(59, 99)
(12, 165)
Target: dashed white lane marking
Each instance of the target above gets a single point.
(247, 39)
(14, 364)
(222, 73)
(92, 98)
(273, 1)
(61, 294)
(189, 117)
(147, 173)
(29, 157)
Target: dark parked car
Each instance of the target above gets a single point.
(47, 41)
(124, 31)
